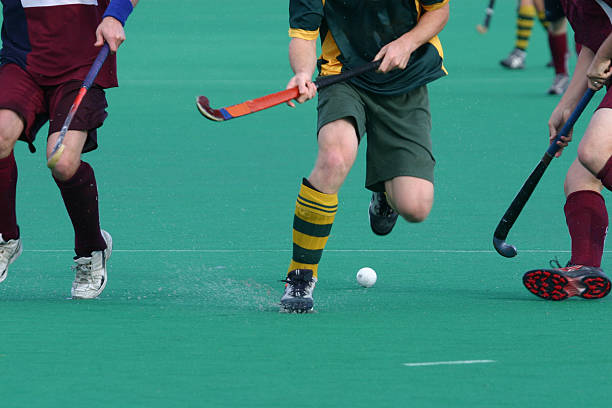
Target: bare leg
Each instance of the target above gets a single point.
(337, 152)
(595, 148)
(70, 160)
(411, 197)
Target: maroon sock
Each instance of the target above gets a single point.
(80, 195)
(587, 220)
(8, 189)
(605, 175)
(558, 48)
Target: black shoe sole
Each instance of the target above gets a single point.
(552, 284)
(297, 306)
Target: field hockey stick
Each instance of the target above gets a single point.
(484, 27)
(59, 147)
(268, 101)
(512, 213)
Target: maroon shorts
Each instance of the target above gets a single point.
(37, 104)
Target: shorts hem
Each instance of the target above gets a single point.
(377, 184)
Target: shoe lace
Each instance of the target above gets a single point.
(297, 287)
(554, 263)
(4, 252)
(382, 207)
(82, 272)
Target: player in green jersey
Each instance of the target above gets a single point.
(390, 106)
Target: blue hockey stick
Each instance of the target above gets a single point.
(58, 148)
(512, 213)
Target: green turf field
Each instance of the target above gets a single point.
(201, 214)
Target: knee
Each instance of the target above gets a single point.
(413, 210)
(6, 143)
(588, 157)
(8, 138)
(66, 167)
(335, 160)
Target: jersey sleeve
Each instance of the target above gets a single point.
(431, 5)
(305, 17)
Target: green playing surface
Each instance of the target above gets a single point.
(201, 213)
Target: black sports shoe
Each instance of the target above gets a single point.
(574, 280)
(298, 291)
(382, 216)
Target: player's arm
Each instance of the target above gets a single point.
(110, 29)
(305, 17)
(572, 95)
(599, 72)
(397, 53)
(303, 61)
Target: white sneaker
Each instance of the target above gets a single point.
(515, 60)
(559, 85)
(90, 272)
(9, 252)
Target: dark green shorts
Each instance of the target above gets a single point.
(398, 129)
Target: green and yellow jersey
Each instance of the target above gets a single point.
(353, 31)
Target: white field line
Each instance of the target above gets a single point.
(416, 251)
(436, 363)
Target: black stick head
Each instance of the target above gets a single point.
(504, 249)
(209, 113)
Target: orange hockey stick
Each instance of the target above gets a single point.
(268, 101)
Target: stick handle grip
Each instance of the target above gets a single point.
(57, 150)
(325, 81)
(96, 66)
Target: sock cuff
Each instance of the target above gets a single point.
(527, 11)
(558, 35)
(321, 202)
(585, 198)
(83, 174)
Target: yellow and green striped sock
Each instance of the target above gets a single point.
(542, 17)
(312, 222)
(524, 26)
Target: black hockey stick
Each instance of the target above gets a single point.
(512, 213)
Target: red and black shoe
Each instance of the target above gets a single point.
(560, 283)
